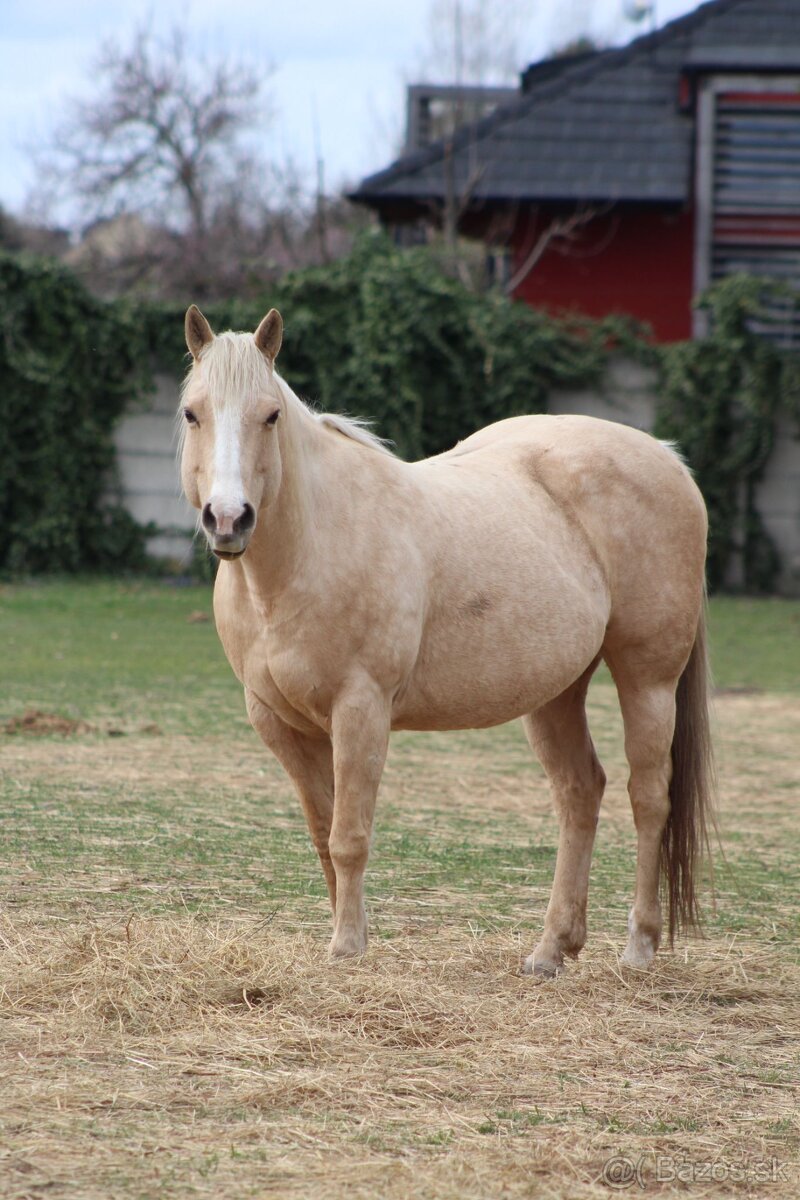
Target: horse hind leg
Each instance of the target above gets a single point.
(648, 714)
(667, 744)
(559, 736)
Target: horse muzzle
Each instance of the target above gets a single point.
(228, 532)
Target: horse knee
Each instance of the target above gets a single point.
(578, 797)
(349, 851)
(322, 846)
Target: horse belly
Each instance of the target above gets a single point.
(499, 657)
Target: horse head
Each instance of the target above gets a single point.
(232, 405)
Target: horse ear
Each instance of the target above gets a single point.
(198, 331)
(269, 335)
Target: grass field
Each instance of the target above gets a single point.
(172, 1028)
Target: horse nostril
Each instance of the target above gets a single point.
(208, 519)
(245, 521)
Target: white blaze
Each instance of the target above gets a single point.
(227, 492)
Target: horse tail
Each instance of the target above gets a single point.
(691, 791)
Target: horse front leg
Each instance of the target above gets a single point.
(308, 761)
(360, 732)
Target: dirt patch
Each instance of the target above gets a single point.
(35, 723)
(41, 724)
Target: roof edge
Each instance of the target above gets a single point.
(370, 187)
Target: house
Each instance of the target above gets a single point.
(627, 180)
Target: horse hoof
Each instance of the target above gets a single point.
(540, 968)
(347, 947)
(642, 944)
(639, 952)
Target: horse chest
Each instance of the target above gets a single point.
(279, 676)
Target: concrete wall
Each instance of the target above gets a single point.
(146, 448)
(778, 501)
(146, 457)
(627, 395)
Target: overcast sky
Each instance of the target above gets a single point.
(342, 65)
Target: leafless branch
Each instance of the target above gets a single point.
(472, 41)
(560, 230)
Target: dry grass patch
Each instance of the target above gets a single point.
(173, 1057)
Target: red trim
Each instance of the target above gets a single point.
(761, 97)
(764, 230)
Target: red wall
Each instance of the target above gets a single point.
(636, 261)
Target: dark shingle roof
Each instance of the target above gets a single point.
(606, 128)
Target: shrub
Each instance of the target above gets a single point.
(718, 399)
(69, 365)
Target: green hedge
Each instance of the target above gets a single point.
(719, 398)
(384, 334)
(69, 366)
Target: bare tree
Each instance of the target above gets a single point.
(171, 197)
(470, 41)
(471, 45)
(561, 234)
(161, 135)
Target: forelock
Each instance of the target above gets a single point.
(232, 371)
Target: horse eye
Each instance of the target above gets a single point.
(273, 417)
(191, 419)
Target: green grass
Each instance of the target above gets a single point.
(755, 643)
(123, 652)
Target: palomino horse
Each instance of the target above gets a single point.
(360, 594)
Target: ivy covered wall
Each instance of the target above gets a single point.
(383, 334)
(69, 366)
(720, 399)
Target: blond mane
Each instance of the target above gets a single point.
(235, 373)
